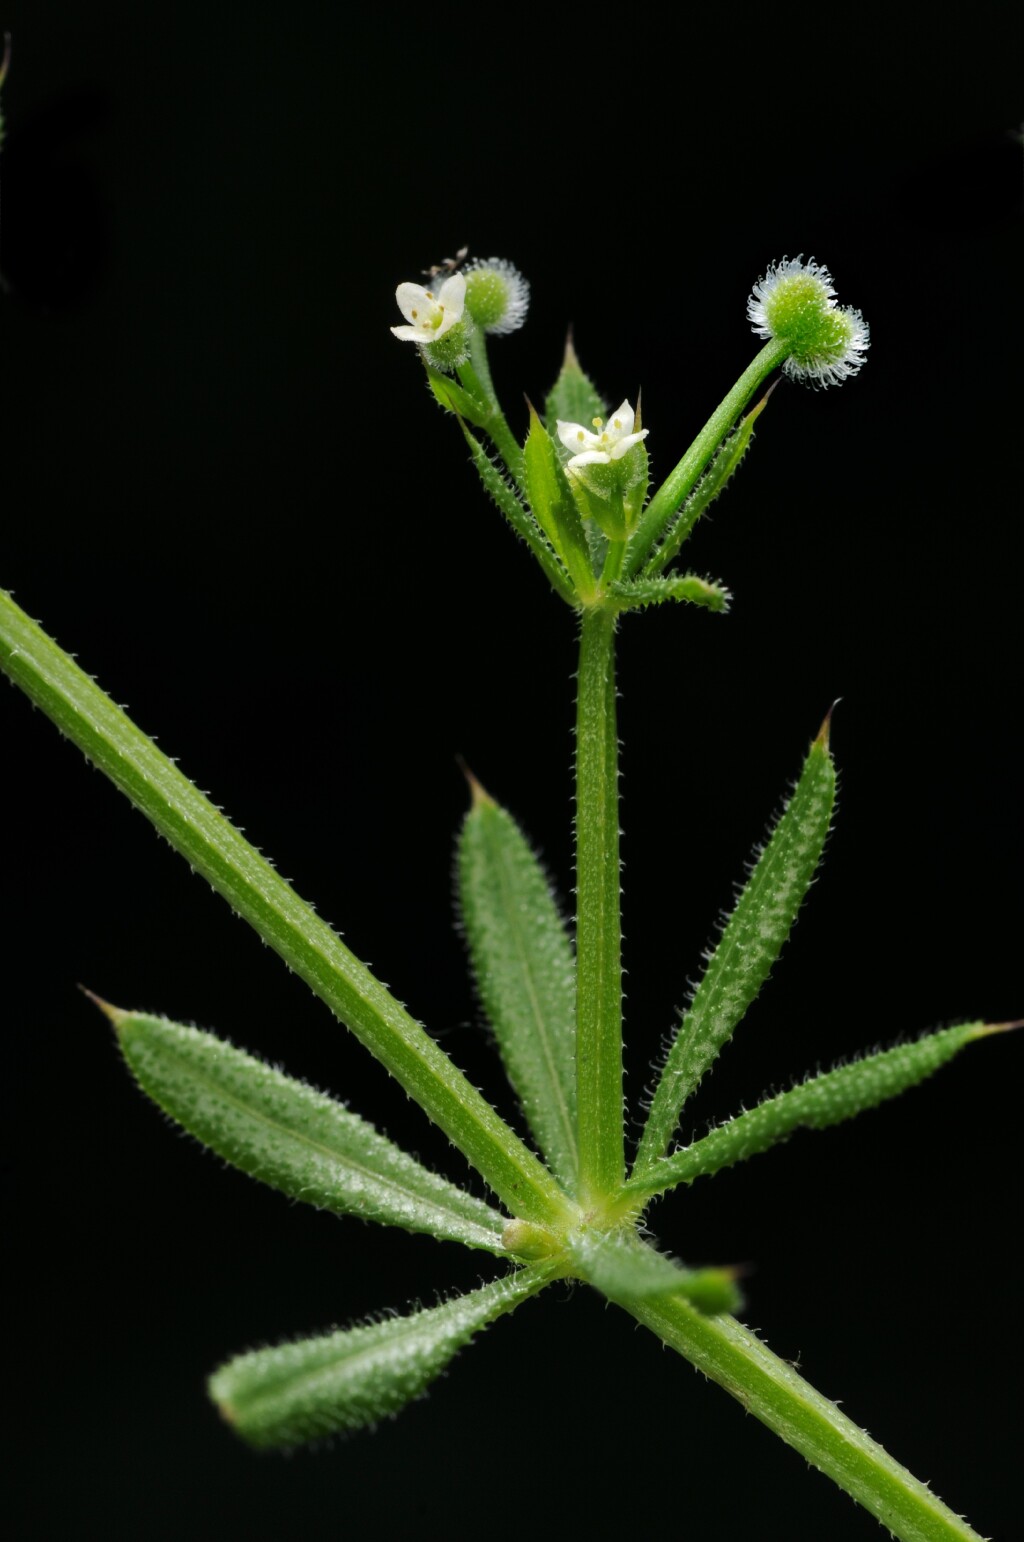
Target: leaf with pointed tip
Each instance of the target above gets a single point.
(814, 1105)
(711, 485)
(346, 1380)
(751, 941)
(292, 1137)
(454, 398)
(573, 397)
(623, 1268)
(525, 972)
(520, 518)
(554, 506)
(638, 593)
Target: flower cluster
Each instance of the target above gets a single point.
(795, 301)
(490, 294)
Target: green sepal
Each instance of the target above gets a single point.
(347, 1380)
(292, 1137)
(623, 1268)
(454, 398)
(711, 485)
(817, 1103)
(573, 398)
(525, 973)
(638, 593)
(554, 507)
(751, 941)
(520, 518)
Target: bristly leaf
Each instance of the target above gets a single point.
(751, 941)
(292, 1137)
(346, 1380)
(213, 847)
(711, 485)
(639, 593)
(554, 507)
(625, 1269)
(454, 398)
(814, 1105)
(573, 397)
(525, 972)
(519, 518)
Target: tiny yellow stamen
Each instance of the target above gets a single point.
(598, 422)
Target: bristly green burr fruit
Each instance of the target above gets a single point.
(497, 295)
(795, 303)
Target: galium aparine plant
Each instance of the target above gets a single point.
(570, 1202)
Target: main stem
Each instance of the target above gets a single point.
(598, 925)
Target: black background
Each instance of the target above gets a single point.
(225, 488)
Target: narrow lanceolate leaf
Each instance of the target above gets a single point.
(525, 972)
(197, 829)
(814, 1105)
(624, 1268)
(682, 479)
(638, 593)
(711, 485)
(751, 941)
(770, 1389)
(290, 1136)
(573, 397)
(551, 499)
(346, 1380)
(453, 398)
(520, 518)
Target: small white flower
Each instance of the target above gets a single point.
(609, 443)
(430, 315)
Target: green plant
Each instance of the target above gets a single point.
(576, 492)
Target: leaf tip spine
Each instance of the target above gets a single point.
(570, 358)
(758, 407)
(479, 796)
(986, 1030)
(825, 731)
(117, 1015)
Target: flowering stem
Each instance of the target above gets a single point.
(598, 926)
(613, 562)
(476, 377)
(773, 1392)
(680, 482)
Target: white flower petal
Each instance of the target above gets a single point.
(627, 442)
(415, 303)
(412, 334)
(588, 458)
(452, 295)
(573, 435)
(621, 422)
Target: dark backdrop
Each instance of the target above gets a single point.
(226, 489)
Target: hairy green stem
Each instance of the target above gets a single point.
(598, 926)
(214, 848)
(680, 482)
(476, 376)
(773, 1392)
